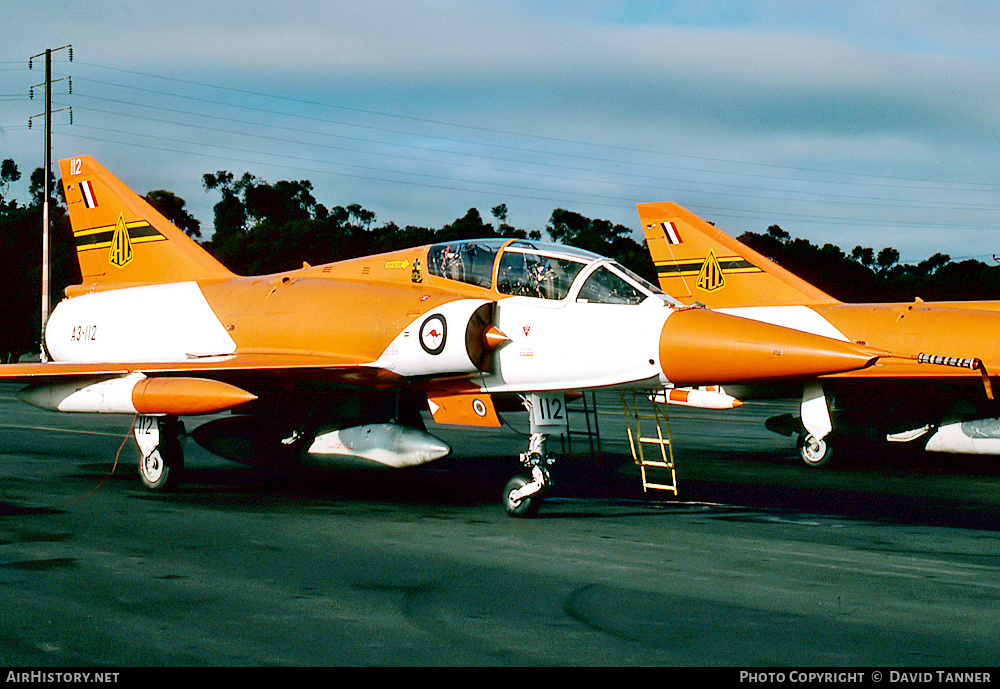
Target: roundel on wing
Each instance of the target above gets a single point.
(433, 333)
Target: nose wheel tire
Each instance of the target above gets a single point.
(520, 507)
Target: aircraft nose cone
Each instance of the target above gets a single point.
(703, 347)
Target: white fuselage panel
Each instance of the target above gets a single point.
(171, 322)
(566, 345)
(800, 318)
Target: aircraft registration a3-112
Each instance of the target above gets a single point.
(338, 360)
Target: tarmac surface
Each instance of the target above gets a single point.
(888, 560)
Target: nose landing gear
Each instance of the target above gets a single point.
(522, 496)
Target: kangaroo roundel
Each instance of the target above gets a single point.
(434, 334)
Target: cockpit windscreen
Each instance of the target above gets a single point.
(468, 262)
(525, 273)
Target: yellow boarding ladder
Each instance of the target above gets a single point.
(654, 419)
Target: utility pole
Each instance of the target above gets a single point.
(46, 268)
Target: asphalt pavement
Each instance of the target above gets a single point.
(758, 561)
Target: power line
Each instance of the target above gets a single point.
(588, 199)
(588, 175)
(735, 189)
(539, 137)
(299, 168)
(631, 175)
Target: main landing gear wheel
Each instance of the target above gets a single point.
(161, 458)
(815, 452)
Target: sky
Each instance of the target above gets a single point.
(854, 123)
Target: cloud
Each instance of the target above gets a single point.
(759, 112)
(753, 76)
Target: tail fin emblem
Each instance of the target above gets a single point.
(711, 278)
(87, 190)
(121, 245)
(670, 232)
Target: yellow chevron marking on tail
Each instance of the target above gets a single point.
(710, 277)
(121, 246)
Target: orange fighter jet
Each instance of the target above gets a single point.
(947, 408)
(338, 360)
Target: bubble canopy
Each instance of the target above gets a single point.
(541, 270)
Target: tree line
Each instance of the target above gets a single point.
(866, 276)
(260, 228)
(263, 228)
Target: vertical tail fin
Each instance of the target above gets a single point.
(120, 239)
(697, 263)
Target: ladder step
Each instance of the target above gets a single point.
(660, 422)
